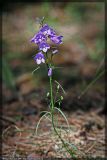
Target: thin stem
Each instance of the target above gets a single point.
(51, 92)
(46, 57)
(52, 113)
(64, 144)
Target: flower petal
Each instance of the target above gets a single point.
(39, 58)
(45, 49)
(43, 60)
(50, 72)
(38, 61)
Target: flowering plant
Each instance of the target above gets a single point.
(41, 40)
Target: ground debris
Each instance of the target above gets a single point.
(46, 144)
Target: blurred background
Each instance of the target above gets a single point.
(81, 55)
(81, 58)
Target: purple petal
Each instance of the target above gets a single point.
(44, 28)
(47, 30)
(38, 38)
(39, 58)
(44, 46)
(50, 72)
(56, 39)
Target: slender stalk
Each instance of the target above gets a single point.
(64, 144)
(51, 92)
(52, 114)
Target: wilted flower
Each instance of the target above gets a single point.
(39, 58)
(50, 72)
(56, 39)
(44, 46)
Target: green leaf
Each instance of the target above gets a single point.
(40, 121)
(63, 116)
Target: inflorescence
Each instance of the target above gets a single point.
(40, 39)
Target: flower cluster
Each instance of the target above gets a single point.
(40, 39)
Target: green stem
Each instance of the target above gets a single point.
(52, 113)
(51, 92)
(64, 144)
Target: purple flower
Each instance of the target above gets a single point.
(47, 30)
(44, 46)
(39, 58)
(52, 32)
(50, 72)
(56, 39)
(38, 38)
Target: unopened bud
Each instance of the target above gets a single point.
(62, 98)
(59, 103)
(58, 87)
(47, 94)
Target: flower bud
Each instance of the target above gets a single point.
(50, 72)
(48, 94)
(61, 98)
(59, 103)
(58, 87)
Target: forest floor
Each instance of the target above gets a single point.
(86, 133)
(80, 57)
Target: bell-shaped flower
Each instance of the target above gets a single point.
(50, 72)
(56, 39)
(39, 58)
(44, 46)
(38, 38)
(46, 30)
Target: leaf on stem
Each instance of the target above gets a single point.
(35, 69)
(40, 121)
(63, 116)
